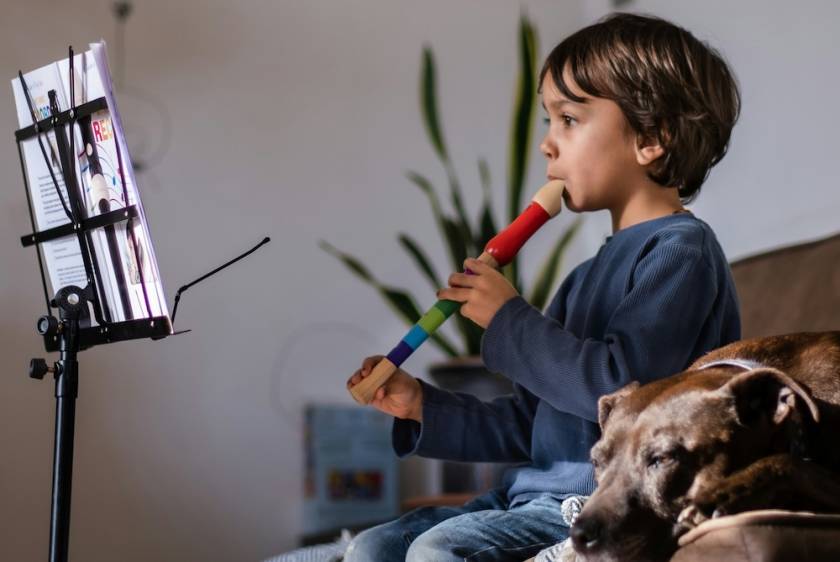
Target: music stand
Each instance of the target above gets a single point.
(116, 319)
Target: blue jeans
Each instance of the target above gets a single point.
(482, 530)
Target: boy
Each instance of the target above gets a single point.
(639, 111)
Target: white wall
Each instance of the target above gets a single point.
(290, 119)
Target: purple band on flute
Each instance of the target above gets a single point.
(400, 353)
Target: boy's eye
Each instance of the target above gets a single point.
(566, 119)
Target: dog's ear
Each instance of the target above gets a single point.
(768, 392)
(607, 402)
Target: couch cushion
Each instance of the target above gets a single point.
(765, 536)
(794, 289)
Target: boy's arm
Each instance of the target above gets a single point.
(650, 335)
(461, 427)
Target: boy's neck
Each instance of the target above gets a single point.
(646, 204)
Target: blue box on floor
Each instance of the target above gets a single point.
(352, 472)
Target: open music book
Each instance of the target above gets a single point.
(125, 263)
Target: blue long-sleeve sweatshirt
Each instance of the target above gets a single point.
(656, 296)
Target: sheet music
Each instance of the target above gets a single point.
(124, 255)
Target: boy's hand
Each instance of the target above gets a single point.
(401, 396)
(483, 294)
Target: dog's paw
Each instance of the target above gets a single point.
(689, 518)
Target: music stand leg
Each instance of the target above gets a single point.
(65, 417)
(66, 391)
(72, 303)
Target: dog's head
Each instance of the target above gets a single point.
(664, 441)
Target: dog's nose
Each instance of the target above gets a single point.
(586, 534)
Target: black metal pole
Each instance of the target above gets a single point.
(66, 392)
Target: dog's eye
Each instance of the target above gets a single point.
(658, 460)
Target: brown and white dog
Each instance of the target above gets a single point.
(755, 424)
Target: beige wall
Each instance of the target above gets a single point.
(295, 120)
(778, 184)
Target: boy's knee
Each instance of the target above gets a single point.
(432, 545)
(386, 543)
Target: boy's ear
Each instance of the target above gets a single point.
(648, 150)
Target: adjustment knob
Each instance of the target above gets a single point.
(38, 368)
(47, 325)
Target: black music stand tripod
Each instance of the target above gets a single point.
(73, 331)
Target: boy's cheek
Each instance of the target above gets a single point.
(567, 199)
(572, 199)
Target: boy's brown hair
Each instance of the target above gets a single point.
(670, 86)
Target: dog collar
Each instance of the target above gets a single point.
(745, 364)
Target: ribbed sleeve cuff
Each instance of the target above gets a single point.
(409, 437)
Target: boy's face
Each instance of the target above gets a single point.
(590, 146)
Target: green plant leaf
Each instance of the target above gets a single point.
(444, 345)
(428, 103)
(460, 211)
(451, 232)
(400, 301)
(544, 281)
(484, 176)
(456, 240)
(421, 260)
(431, 118)
(472, 334)
(486, 226)
(522, 119)
(426, 187)
(486, 222)
(521, 126)
(352, 263)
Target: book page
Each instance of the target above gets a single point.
(125, 271)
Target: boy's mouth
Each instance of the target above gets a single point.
(565, 190)
(566, 197)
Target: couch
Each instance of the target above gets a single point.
(793, 289)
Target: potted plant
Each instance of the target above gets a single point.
(464, 237)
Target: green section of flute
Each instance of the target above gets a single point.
(447, 307)
(435, 316)
(432, 320)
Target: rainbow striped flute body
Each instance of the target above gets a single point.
(421, 331)
(498, 252)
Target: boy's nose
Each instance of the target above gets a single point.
(548, 148)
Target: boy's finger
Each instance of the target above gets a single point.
(476, 266)
(454, 294)
(370, 362)
(461, 280)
